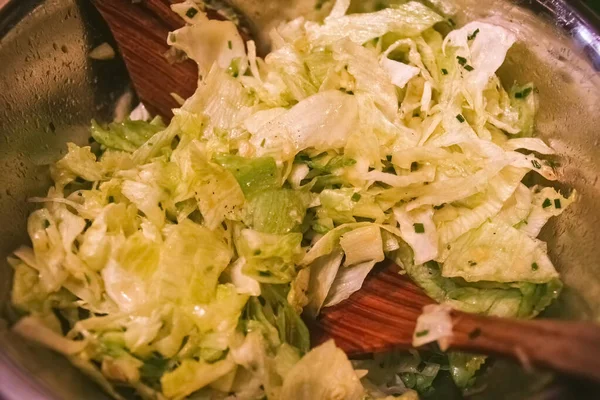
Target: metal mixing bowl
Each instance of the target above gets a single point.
(50, 89)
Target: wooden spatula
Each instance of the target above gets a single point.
(141, 30)
(383, 313)
(382, 316)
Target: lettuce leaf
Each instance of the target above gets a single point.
(127, 135)
(408, 19)
(276, 211)
(325, 372)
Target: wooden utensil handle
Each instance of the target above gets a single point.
(569, 347)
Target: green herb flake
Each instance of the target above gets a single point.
(444, 71)
(557, 203)
(46, 224)
(534, 267)
(547, 203)
(355, 197)
(191, 12)
(536, 164)
(461, 60)
(472, 263)
(469, 68)
(229, 44)
(460, 118)
(414, 166)
(473, 35)
(172, 37)
(524, 93)
(419, 228)
(422, 333)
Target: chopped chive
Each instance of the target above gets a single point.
(469, 68)
(46, 223)
(439, 207)
(414, 166)
(355, 197)
(111, 199)
(444, 71)
(536, 164)
(451, 22)
(534, 267)
(419, 228)
(257, 252)
(422, 333)
(460, 118)
(262, 143)
(472, 263)
(547, 203)
(191, 12)
(264, 273)
(473, 35)
(229, 44)
(557, 203)
(524, 93)
(461, 60)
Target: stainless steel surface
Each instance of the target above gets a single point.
(49, 90)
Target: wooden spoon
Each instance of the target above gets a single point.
(382, 316)
(383, 313)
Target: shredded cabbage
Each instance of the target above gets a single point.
(177, 259)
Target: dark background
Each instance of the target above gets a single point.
(594, 5)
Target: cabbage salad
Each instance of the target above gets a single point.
(176, 260)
